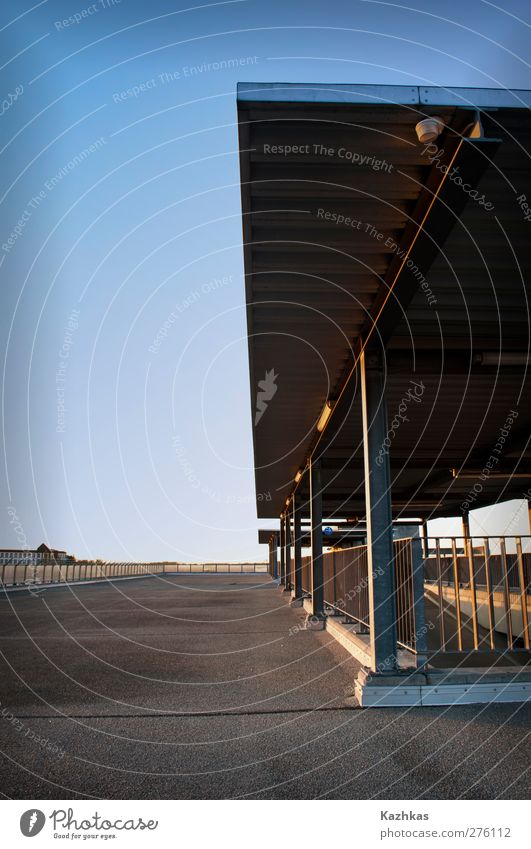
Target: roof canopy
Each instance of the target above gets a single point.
(358, 236)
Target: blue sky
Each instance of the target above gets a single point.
(120, 194)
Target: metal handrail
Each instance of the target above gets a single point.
(476, 592)
(53, 572)
(481, 590)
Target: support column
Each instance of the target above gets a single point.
(466, 531)
(424, 538)
(282, 551)
(382, 617)
(296, 596)
(316, 521)
(287, 538)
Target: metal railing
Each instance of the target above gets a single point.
(346, 583)
(478, 592)
(52, 572)
(346, 586)
(464, 595)
(240, 568)
(406, 552)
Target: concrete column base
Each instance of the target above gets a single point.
(443, 687)
(296, 602)
(315, 622)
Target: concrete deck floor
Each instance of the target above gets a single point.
(203, 686)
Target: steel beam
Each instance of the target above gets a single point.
(380, 555)
(327, 93)
(380, 95)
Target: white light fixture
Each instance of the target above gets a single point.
(298, 476)
(325, 415)
(503, 358)
(429, 129)
(473, 474)
(477, 130)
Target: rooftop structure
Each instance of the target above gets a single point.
(387, 262)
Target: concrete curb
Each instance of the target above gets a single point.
(443, 687)
(429, 687)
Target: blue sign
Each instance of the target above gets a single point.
(328, 531)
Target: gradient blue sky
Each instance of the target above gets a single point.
(155, 460)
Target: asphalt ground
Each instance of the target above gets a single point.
(205, 686)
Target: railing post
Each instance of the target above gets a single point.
(488, 589)
(457, 576)
(440, 594)
(469, 549)
(417, 580)
(380, 554)
(316, 522)
(523, 592)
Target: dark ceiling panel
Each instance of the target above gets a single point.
(321, 232)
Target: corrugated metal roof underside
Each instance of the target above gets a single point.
(311, 281)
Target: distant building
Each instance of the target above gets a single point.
(37, 557)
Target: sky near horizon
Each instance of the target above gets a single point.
(127, 419)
